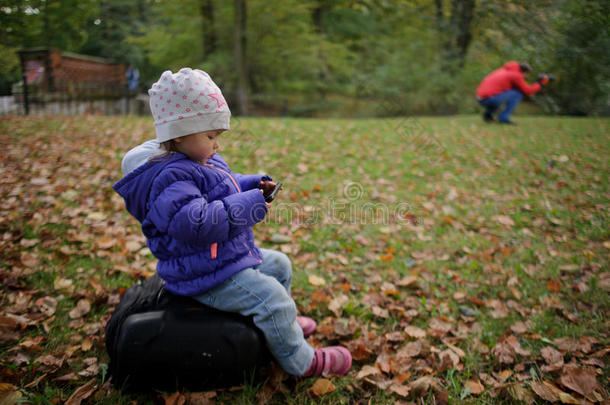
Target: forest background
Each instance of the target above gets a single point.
(351, 58)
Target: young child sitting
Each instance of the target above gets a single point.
(197, 217)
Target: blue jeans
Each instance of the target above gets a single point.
(263, 292)
(510, 97)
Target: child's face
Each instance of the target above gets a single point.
(200, 146)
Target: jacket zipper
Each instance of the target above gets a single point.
(227, 173)
(214, 246)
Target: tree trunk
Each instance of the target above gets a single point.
(239, 56)
(456, 34)
(209, 33)
(462, 13)
(317, 17)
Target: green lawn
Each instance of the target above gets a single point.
(462, 261)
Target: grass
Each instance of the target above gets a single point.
(502, 212)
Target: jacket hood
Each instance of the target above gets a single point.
(138, 183)
(512, 66)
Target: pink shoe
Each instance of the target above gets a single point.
(329, 360)
(307, 324)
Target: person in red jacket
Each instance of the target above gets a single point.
(507, 86)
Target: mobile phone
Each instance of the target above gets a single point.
(276, 190)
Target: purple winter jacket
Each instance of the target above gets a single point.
(196, 219)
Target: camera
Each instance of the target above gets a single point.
(550, 76)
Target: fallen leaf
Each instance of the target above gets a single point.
(387, 258)
(553, 285)
(367, 371)
(415, 332)
(47, 305)
(87, 344)
(106, 243)
(81, 309)
(553, 358)
(29, 259)
(379, 380)
(420, 386)
(566, 398)
(175, 399)
(439, 325)
(520, 393)
(448, 359)
(520, 327)
(321, 387)
(546, 390)
(201, 398)
(504, 353)
(336, 305)
(399, 389)
(579, 379)
(475, 386)
(82, 393)
(380, 312)
(406, 281)
(316, 280)
(504, 220)
(9, 394)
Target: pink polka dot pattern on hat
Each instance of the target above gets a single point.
(191, 96)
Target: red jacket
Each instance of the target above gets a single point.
(507, 77)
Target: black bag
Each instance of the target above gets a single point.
(159, 340)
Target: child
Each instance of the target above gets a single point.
(197, 215)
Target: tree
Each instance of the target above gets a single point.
(456, 32)
(209, 32)
(239, 56)
(579, 57)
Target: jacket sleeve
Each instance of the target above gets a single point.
(181, 211)
(250, 181)
(527, 89)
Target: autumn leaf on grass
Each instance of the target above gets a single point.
(553, 358)
(439, 326)
(504, 220)
(106, 243)
(9, 394)
(337, 304)
(82, 393)
(47, 305)
(29, 259)
(406, 281)
(387, 258)
(579, 379)
(201, 398)
(520, 327)
(321, 387)
(420, 386)
(415, 332)
(504, 353)
(367, 371)
(359, 351)
(175, 399)
(82, 308)
(520, 393)
(400, 390)
(546, 390)
(316, 280)
(476, 388)
(448, 359)
(553, 285)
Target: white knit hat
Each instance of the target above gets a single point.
(185, 103)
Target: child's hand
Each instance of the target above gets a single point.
(267, 187)
(268, 204)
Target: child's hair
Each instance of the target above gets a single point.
(170, 147)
